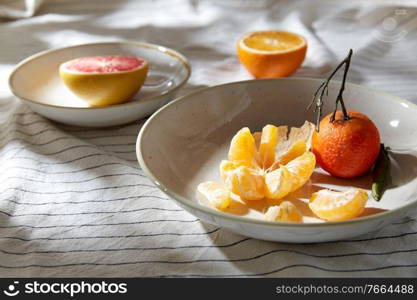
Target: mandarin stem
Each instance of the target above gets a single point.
(323, 88)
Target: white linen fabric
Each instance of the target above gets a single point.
(74, 201)
(16, 9)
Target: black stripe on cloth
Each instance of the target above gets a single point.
(63, 138)
(87, 138)
(113, 236)
(303, 253)
(64, 162)
(87, 201)
(180, 234)
(158, 234)
(32, 134)
(70, 172)
(70, 128)
(77, 191)
(192, 275)
(90, 213)
(70, 182)
(107, 136)
(125, 249)
(95, 147)
(289, 267)
(367, 239)
(98, 225)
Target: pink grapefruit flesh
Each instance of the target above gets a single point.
(104, 64)
(104, 80)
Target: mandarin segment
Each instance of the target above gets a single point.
(257, 136)
(304, 133)
(338, 206)
(246, 182)
(301, 169)
(296, 149)
(269, 140)
(214, 195)
(285, 212)
(251, 184)
(243, 148)
(278, 183)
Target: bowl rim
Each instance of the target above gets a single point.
(389, 214)
(168, 51)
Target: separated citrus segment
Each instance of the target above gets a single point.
(338, 206)
(257, 136)
(285, 212)
(301, 169)
(246, 182)
(214, 195)
(243, 148)
(289, 178)
(267, 54)
(295, 144)
(278, 183)
(269, 140)
(296, 149)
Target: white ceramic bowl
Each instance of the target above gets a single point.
(182, 144)
(36, 82)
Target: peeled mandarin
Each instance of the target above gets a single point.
(271, 163)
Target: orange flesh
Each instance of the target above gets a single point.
(272, 41)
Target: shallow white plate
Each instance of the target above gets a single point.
(36, 82)
(182, 144)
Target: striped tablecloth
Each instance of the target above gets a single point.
(74, 201)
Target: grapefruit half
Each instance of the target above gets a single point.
(104, 80)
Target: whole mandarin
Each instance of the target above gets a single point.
(346, 147)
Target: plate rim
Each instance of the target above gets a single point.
(389, 214)
(168, 51)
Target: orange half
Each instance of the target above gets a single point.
(270, 54)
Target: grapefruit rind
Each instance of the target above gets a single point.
(102, 89)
